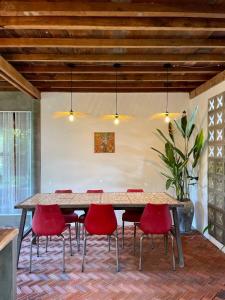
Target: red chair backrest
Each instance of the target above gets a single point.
(100, 219)
(95, 191)
(63, 191)
(156, 219)
(135, 191)
(48, 220)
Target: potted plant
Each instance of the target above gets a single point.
(181, 157)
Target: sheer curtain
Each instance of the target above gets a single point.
(15, 159)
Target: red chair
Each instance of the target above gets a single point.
(82, 217)
(131, 215)
(156, 219)
(100, 220)
(48, 221)
(69, 214)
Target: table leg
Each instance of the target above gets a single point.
(178, 238)
(21, 232)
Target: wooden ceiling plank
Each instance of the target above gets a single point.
(118, 9)
(122, 90)
(120, 58)
(123, 84)
(121, 77)
(110, 43)
(11, 75)
(107, 23)
(92, 69)
(207, 85)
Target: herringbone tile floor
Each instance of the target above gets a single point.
(202, 278)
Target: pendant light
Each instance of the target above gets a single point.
(116, 116)
(71, 114)
(167, 117)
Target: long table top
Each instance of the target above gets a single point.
(83, 200)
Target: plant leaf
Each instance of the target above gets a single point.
(163, 136)
(170, 129)
(191, 121)
(189, 133)
(184, 123)
(179, 128)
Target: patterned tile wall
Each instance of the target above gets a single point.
(216, 166)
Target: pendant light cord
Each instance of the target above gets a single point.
(167, 83)
(116, 93)
(71, 89)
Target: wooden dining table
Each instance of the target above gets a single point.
(81, 201)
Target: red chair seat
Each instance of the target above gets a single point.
(156, 219)
(48, 220)
(71, 218)
(131, 216)
(100, 219)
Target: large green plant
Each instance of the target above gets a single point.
(181, 160)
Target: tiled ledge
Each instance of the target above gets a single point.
(6, 236)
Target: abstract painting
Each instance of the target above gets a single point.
(104, 142)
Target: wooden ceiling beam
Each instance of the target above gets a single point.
(121, 58)
(110, 23)
(120, 84)
(177, 69)
(117, 9)
(220, 77)
(110, 43)
(121, 90)
(12, 76)
(121, 77)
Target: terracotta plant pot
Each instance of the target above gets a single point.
(185, 216)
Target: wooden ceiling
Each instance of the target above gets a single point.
(47, 40)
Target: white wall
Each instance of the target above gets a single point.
(199, 194)
(68, 158)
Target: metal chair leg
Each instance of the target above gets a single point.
(141, 248)
(82, 231)
(118, 237)
(85, 234)
(152, 241)
(135, 230)
(71, 250)
(31, 244)
(173, 255)
(78, 236)
(76, 229)
(63, 256)
(117, 252)
(123, 235)
(84, 252)
(109, 242)
(37, 241)
(46, 245)
(76, 232)
(166, 243)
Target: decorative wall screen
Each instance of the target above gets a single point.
(216, 167)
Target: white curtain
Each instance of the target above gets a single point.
(15, 159)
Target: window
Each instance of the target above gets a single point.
(15, 159)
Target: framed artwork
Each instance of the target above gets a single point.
(104, 142)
